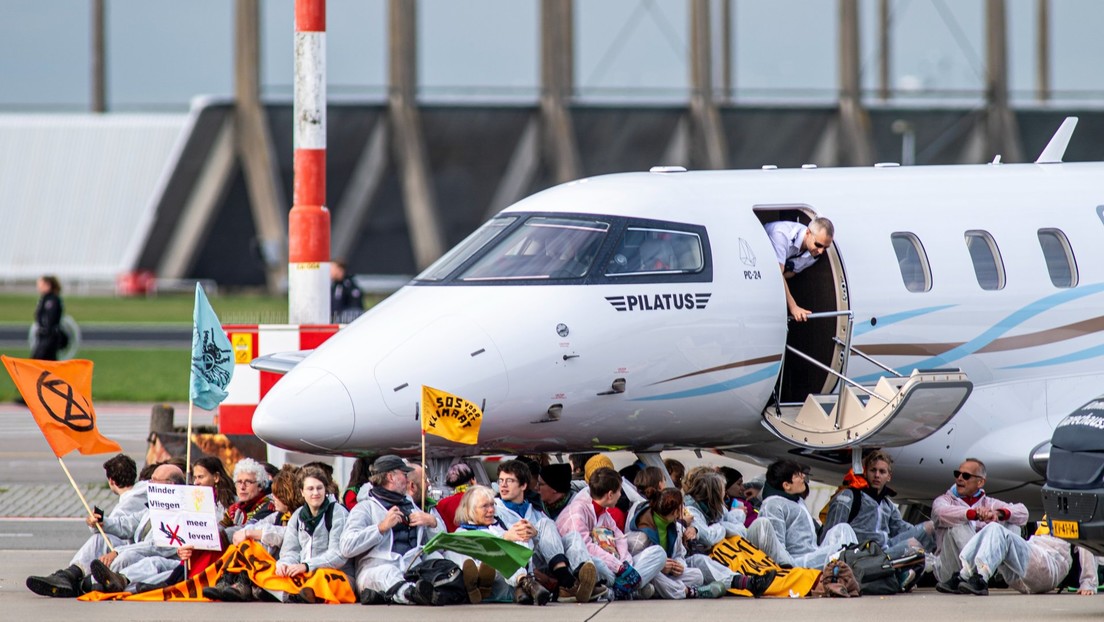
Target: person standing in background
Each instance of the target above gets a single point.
(347, 301)
(48, 314)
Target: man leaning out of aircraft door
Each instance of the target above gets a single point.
(797, 246)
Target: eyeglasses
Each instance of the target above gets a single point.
(245, 482)
(965, 476)
(819, 245)
(507, 481)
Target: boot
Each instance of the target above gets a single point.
(111, 580)
(586, 577)
(231, 588)
(64, 583)
(368, 596)
(534, 591)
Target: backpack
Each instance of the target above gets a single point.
(872, 567)
(837, 581)
(446, 577)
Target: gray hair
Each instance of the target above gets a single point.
(981, 465)
(821, 224)
(251, 466)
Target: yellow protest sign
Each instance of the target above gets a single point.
(451, 417)
(739, 555)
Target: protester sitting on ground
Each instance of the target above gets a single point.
(578, 463)
(574, 574)
(536, 464)
(384, 533)
(785, 530)
(655, 521)
(140, 561)
(588, 516)
(705, 504)
(357, 478)
(554, 486)
(753, 492)
(868, 507)
(333, 490)
(209, 471)
(286, 498)
(628, 496)
(1033, 566)
(418, 488)
(704, 511)
(734, 494)
(251, 480)
(676, 470)
(477, 513)
(459, 478)
(119, 525)
(120, 522)
(313, 536)
(963, 511)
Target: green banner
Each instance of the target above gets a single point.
(503, 555)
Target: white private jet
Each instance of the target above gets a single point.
(958, 313)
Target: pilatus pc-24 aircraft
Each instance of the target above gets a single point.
(959, 312)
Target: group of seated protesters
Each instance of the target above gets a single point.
(601, 538)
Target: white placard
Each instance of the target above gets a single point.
(182, 515)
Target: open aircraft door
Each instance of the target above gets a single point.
(816, 406)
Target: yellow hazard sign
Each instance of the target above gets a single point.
(243, 347)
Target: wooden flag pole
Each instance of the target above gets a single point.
(85, 503)
(188, 443)
(424, 478)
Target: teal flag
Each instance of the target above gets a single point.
(505, 556)
(212, 356)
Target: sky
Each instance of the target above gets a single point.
(162, 53)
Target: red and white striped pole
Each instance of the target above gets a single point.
(309, 220)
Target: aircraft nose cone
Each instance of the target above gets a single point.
(307, 410)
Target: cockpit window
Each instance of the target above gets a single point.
(651, 251)
(460, 253)
(541, 248)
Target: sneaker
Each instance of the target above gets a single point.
(950, 586)
(471, 582)
(111, 580)
(644, 592)
(715, 589)
(421, 593)
(908, 579)
(758, 584)
(368, 596)
(975, 585)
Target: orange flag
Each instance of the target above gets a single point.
(57, 394)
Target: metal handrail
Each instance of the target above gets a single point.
(868, 358)
(836, 373)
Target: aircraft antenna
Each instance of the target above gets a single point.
(1056, 148)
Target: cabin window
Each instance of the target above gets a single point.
(450, 261)
(1059, 257)
(913, 261)
(988, 266)
(541, 248)
(656, 251)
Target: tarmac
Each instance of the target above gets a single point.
(40, 529)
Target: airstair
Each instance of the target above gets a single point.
(896, 410)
